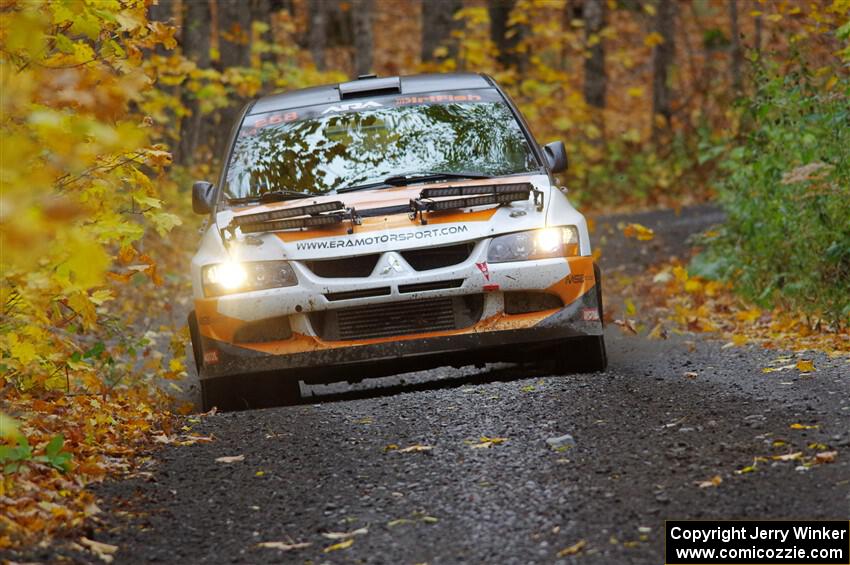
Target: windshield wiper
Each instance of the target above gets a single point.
(275, 196)
(361, 187)
(411, 178)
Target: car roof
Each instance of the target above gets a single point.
(330, 93)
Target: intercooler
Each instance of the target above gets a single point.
(390, 319)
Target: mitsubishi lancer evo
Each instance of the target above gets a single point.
(385, 225)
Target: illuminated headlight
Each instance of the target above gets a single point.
(230, 277)
(536, 244)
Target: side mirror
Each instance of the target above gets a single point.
(202, 195)
(556, 155)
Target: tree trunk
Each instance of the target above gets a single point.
(234, 33)
(317, 34)
(362, 16)
(662, 59)
(195, 42)
(437, 25)
(735, 46)
(594, 66)
(261, 11)
(500, 11)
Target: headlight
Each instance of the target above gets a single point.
(230, 277)
(536, 244)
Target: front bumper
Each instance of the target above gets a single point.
(497, 336)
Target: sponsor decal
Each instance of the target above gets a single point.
(352, 106)
(253, 124)
(577, 278)
(485, 270)
(590, 315)
(211, 357)
(437, 98)
(271, 120)
(379, 239)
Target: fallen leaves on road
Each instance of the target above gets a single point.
(103, 551)
(415, 448)
(283, 546)
(788, 456)
(712, 482)
(804, 426)
(415, 517)
(230, 459)
(337, 546)
(56, 444)
(752, 467)
(485, 442)
(186, 439)
(573, 549)
(345, 535)
(638, 231)
(627, 326)
(776, 369)
(826, 456)
(674, 301)
(805, 366)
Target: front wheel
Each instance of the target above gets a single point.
(584, 354)
(245, 392)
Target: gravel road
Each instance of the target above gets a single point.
(643, 435)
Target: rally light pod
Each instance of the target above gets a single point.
(310, 210)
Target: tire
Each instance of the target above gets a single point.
(597, 273)
(195, 338)
(247, 392)
(240, 392)
(584, 354)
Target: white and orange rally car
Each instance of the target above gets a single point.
(382, 225)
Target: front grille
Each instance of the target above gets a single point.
(349, 267)
(438, 257)
(352, 294)
(398, 318)
(435, 285)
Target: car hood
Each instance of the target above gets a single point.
(393, 231)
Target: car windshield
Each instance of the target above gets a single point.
(324, 148)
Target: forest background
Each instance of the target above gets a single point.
(110, 108)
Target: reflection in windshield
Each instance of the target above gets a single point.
(327, 152)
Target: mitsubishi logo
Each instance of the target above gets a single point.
(393, 264)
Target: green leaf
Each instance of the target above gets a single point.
(55, 445)
(64, 44)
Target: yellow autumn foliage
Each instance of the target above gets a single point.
(79, 173)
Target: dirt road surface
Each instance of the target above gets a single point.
(642, 436)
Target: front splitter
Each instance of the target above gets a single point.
(375, 360)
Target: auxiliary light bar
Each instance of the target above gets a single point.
(418, 207)
(471, 190)
(309, 210)
(278, 225)
(502, 198)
